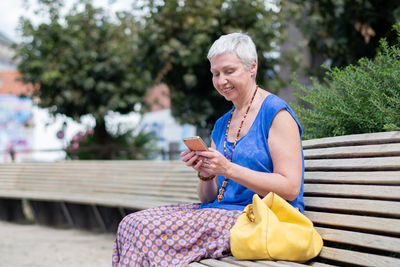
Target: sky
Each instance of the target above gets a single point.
(12, 10)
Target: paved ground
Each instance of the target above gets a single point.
(38, 246)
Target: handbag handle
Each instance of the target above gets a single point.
(250, 213)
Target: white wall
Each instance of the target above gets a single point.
(167, 129)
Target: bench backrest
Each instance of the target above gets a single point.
(127, 184)
(352, 194)
(352, 191)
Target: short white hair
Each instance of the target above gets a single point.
(239, 43)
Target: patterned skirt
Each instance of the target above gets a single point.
(173, 235)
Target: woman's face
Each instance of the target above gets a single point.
(230, 77)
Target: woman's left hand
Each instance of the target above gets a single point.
(213, 162)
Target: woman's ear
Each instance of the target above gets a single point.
(253, 68)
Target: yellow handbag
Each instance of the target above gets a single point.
(272, 229)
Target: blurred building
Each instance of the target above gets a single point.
(6, 53)
(27, 132)
(159, 120)
(16, 118)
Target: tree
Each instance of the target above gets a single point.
(176, 37)
(341, 32)
(360, 98)
(82, 63)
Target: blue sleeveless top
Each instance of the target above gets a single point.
(252, 152)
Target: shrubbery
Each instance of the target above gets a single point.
(360, 98)
(124, 146)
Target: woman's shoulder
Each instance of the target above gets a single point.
(273, 103)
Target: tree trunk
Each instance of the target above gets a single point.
(102, 141)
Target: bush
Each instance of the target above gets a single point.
(363, 98)
(124, 146)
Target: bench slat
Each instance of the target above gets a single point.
(268, 263)
(358, 258)
(360, 239)
(290, 263)
(76, 174)
(353, 152)
(106, 164)
(376, 177)
(64, 186)
(196, 264)
(354, 139)
(113, 177)
(32, 178)
(55, 171)
(378, 224)
(320, 264)
(217, 263)
(367, 191)
(380, 207)
(88, 188)
(111, 200)
(56, 184)
(137, 192)
(244, 263)
(313, 177)
(387, 163)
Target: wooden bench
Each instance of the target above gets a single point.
(352, 194)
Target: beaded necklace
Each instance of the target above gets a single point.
(221, 191)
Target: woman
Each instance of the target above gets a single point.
(255, 148)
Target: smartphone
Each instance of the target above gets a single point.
(195, 143)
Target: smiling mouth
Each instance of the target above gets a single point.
(227, 89)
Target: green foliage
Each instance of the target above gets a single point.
(175, 40)
(345, 31)
(126, 146)
(360, 98)
(80, 62)
(83, 62)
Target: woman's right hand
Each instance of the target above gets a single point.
(191, 159)
(207, 191)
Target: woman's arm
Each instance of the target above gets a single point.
(285, 150)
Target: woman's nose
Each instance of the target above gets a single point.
(222, 79)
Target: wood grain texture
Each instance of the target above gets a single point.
(390, 244)
(245, 263)
(367, 223)
(346, 190)
(354, 139)
(358, 164)
(365, 206)
(353, 151)
(366, 177)
(358, 258)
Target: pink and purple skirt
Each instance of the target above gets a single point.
(173, 235)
